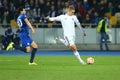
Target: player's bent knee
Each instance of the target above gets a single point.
(36, 47)
(73, 48)
(27, 51)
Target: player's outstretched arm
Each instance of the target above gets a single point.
(47, 17)
(58, 18)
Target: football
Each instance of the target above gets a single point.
(90, 60)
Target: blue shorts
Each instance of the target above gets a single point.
(26, 40)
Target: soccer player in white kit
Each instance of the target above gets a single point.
(68, 22)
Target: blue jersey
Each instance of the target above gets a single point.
(22, 24)
(24, 33)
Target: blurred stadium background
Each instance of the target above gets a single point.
(89, 12)
(55, 61)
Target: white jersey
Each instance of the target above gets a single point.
(68, 23)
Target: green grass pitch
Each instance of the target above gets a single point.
(59, 68)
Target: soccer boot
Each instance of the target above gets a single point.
(82, 62)
(10, 46)
(33, 63)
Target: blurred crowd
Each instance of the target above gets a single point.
(87, 11)
(10, 36)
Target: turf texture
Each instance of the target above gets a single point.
(59, 68)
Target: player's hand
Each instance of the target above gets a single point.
(84, 33)
(47, 17)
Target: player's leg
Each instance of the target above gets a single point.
(62, 40)
(76, 53)
(12, 45)
(24, 47)
(72, 46)
(24, 41)
(34, 50)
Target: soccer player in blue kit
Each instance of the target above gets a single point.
(27, 42)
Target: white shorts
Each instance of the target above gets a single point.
(70, 40)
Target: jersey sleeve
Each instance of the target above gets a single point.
(58, 18)
(24, 16)
(78, 24)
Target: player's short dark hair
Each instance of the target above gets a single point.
(20, 8)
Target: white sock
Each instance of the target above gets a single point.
(78, 56)
(64, 42)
